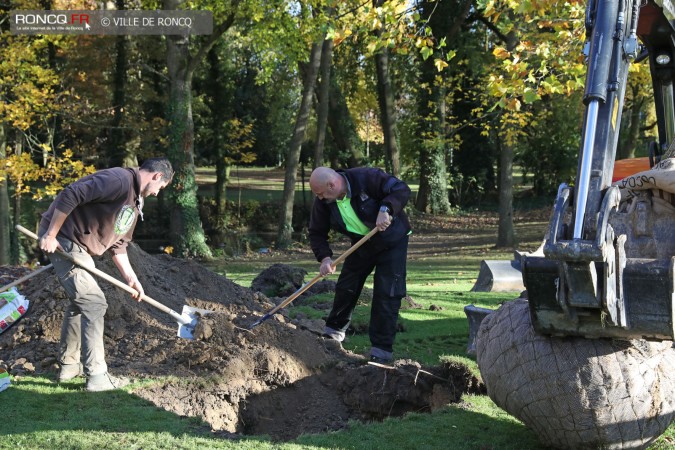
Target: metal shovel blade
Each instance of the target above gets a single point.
(191, 314)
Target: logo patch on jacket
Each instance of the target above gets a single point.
(125, 219)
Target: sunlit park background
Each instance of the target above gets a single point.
(479, 116)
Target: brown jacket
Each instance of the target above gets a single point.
(102, 210)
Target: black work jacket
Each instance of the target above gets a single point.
(370, 189)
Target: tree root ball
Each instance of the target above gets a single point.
(574, 392)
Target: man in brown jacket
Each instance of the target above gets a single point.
(95, 214)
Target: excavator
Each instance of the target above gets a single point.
(607, 269)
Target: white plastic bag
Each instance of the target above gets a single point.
(12, 307)
(4, 379)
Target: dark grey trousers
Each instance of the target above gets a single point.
(82, 329)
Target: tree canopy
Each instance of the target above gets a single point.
(433, 90)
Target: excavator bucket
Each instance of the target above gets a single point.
(608, 267)
(622, 284)
(499, 276)
(645, 309)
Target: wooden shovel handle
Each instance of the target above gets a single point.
(311, 282)
(115, 281)
(25, 277)
(351, 249)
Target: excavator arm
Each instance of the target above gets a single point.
(606, 272)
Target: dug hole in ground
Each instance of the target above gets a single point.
(280, 379)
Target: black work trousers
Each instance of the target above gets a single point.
(388, 290)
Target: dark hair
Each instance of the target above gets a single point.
(161, 165)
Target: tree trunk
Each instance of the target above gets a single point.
(15, 245)
(323, 95)
(218, 117)
(5, 224)
(17, 252)
(432, 196)
(505, 234)
(342, 126)
(119, 153)
(55, 137)
(186, 228)
(385, 96)
(387, 113)
(292, 158)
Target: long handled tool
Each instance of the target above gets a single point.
(311, 282)
(186, 321)
(25, 277)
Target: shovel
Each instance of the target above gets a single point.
(25, 278)
(311, 282)
(186, 321)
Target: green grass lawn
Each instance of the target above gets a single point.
(37, 413)
(254, 183)
(46, 415)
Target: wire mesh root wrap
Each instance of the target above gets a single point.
(573, 392)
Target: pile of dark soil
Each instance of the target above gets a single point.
(280, 379)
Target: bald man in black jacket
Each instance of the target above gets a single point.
(353, 202)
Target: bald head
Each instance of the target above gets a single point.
(327, 184)
(321, 176)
